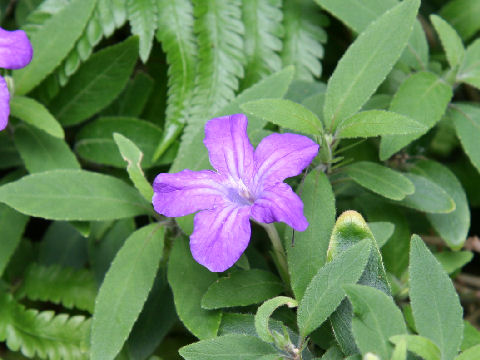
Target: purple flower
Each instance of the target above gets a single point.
(247, 184)
(15, 53)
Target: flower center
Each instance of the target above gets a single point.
(240, 194)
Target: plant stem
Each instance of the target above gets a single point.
(278, 252)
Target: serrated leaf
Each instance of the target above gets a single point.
(366, 63)
(428, 196)
(42, 334)
(265, 311)
(285, 113)
(142, 15)
(263, 33)
(125, 290)
(304, 36)
(52, 42)
(381, 180)
(99, 81)
(12, 225)
(435, 303)
(462, 15)
(422, 97)
(308, 253)
(418, 345)
(325, 292)
(242, 288)
(451, 42)
(73, 195)
(452, 227)
(378, 122)
(35, 114)
(189, 281)
(41, 152)
(133, 156)
(60, 285)
(377, 318)
(94, 142)
(229, 347)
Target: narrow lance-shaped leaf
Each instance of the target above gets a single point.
(124, 290)
(12, 225)
(435, 303)
(451, 42)
(366, 63)
(469, 71)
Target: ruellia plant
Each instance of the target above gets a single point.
(239, 179)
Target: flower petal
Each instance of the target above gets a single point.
(279, 156)
(229, 149)
(4, 104)
(186, 192)
(220, 236)
(280, 203)
(15, 49)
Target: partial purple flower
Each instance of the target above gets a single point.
(15, 53)
(248, 184)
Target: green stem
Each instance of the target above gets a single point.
(278, 252)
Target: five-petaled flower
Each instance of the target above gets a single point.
(15, 53)
(247, 184)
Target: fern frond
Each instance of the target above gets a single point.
(220, 30)
(70, 287)
(142, 16)
(42, 334)
(302, 46)
(263, 33)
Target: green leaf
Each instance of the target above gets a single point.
(462, 15)
(303, 39)
(452, 227)
(41, 152)
(189, 281)
(125, 290)
(453, 260)
(52, 42)
(12, 225)
(381, 180)
(35, 114)
(95, 142)
(377, 318)
(285, 113)
(377, 122)
(435, 303)
(229, 347)
(263, 34)
(265, 311)
(419, 345)
(400, 351)
(471, 354)
(382, 231)
(98, 82)
(469, 71)
(8, 152)
(325, 292)
(422, 97)
(142, 15)
(73, 195)
(428, 196)
(471, 336)
(66, 286)
(133, 156)
(308, 253)
(466, 119)
(242, 288)
(451, 42)
(366, 63)
(42, 334)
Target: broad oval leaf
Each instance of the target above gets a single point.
(242, 288)
(368, 60)
(435, 303)
(96, 84)
(382, 231)
(73, 195)
(462, 15)
(325, 292)
(470, 354)
(451, 42)
(124, 290)
(380, 179)
(469, 71)
(419, 345)
(52, 43)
